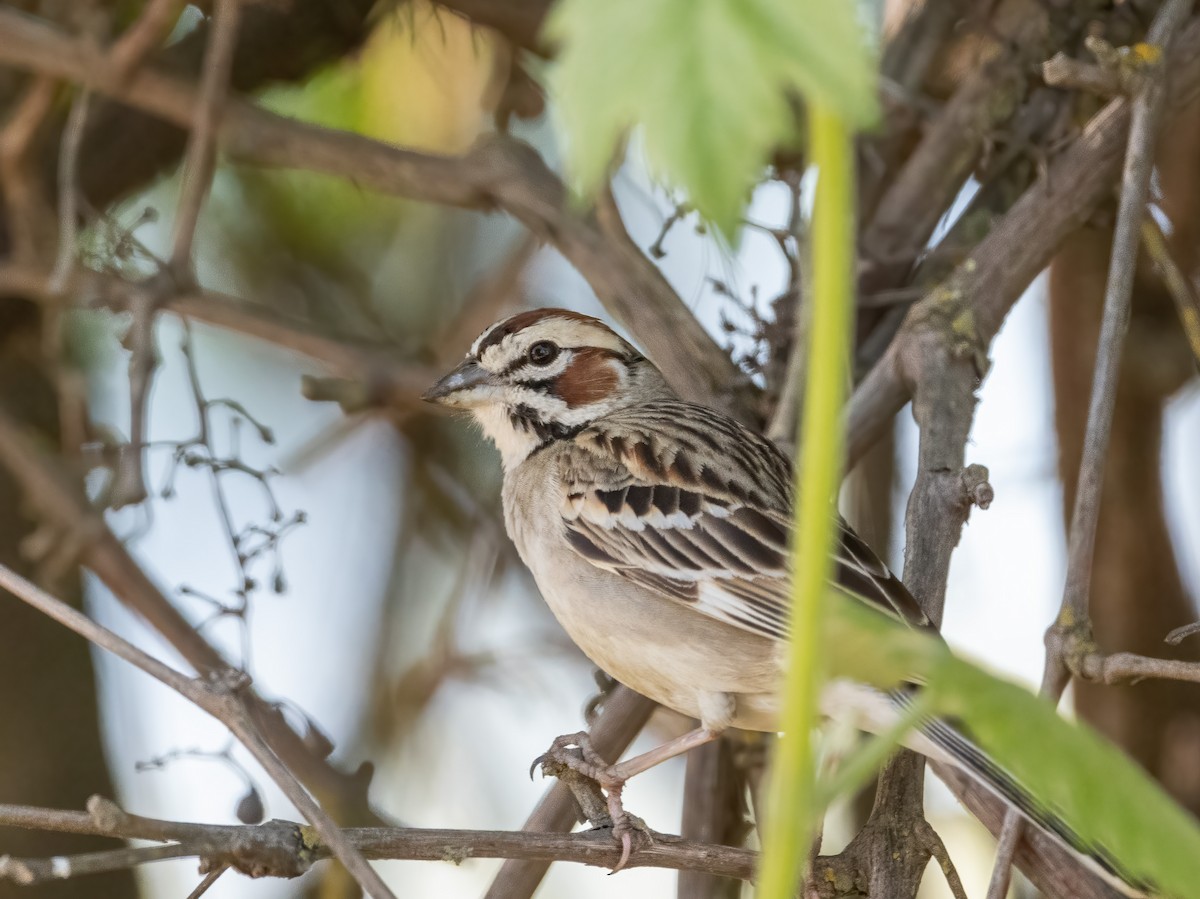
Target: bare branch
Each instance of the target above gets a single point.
(219, 694)
(59, 502)
(391, 380)
(144, 36)
(1125, 667)
(498, 173)
(1065, 72)
(129, 481)
(68, 193)
(285, 849)
(24, 199)
(1148, 108)
(199, 160)
(1073, 625)
(1180, 634)
(209, 879)
(1178, 285)
(713, 792)
(977, 297)
(32, 871)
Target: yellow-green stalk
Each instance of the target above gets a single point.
(791, 808)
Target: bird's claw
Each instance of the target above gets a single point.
(574, 752)
(625, 829)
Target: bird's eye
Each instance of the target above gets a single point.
(543, 352)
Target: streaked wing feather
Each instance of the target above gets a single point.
(637, 502)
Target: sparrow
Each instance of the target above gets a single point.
(658, 533)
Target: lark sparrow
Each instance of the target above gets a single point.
(657, 531)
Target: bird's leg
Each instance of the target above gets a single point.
(612, 778)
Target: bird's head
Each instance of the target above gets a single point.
(544, 375)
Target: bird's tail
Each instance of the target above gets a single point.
(947, 742)
(944, 741)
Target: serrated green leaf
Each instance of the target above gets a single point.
(1087, 782)
(708, 83)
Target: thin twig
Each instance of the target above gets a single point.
(31, 871)
(1065, 72)
(1072, 626)
(68, 193)
(84, 537)
(23, 196)
(981, 291)
(200, 157)
(374, 364)
(497, 173)
(1006, 850)
(129, 482)
(1127, 667)
(1180, 634)
(1178, 284)
(220, 696)
(143, 37)
(209, 879)
(937, 849)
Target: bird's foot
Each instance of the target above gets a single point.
(575, 753)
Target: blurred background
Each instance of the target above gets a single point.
(382, 599)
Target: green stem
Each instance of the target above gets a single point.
(791, 805)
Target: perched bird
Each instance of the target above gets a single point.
(658, 532)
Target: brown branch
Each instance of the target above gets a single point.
(1148, 108)
(373, 366)
(1065, 72)
(933, 175)
(220, 693)
(498, 173)
(204, 885)
(23, 196)
(713, 790)
(1178, 285)
(33, 871)
(284, 849)
(129, 480)
(1073, 625)
(199, 160)
(1124, 667)
(973, 302)
(144, 36)
(58, 501)
(68, 193)
(1180, 634)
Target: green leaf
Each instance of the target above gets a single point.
(707, 82)
(1081, 778)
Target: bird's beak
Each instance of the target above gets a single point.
(450, 390)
